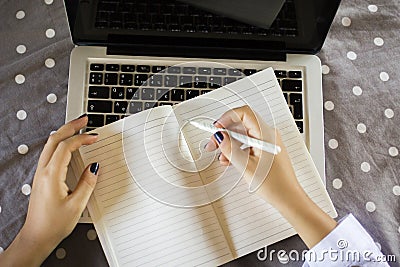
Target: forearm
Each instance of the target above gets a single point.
(25, 252)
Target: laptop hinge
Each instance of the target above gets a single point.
(194, 47)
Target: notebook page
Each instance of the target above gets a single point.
(134, 228)
(248, 221)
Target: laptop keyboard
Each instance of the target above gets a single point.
(174, 16)
(115, 90)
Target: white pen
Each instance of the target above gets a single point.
(244, 139)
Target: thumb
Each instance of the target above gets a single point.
(86, 185)
(230, 148)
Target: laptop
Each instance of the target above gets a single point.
(132, 55)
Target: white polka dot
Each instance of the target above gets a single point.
(370, 206)
(372, 8)
(50, 33)
(378, 41)
(325, 69)
(357, 90)
(361, 128)
(365, 167)
(21, 49)
(20, 79)
(396, 190)
(346, 21)
(1, 250)
(378, 245)
(333, 143)
(52, 132)
(23, 149)
(61, 253)
(21, 114)
(48, 2)
(389, 113)
(337, 183)
(351, 55)
(384, 76)
(329, 105)
(52, 98)
(20, 14)
(393, 151)
(398, 229)
(26, 189)
(50, 63)
(91, 234)
(0, 209)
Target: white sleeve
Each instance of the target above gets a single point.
(347, 245)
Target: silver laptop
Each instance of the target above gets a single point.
(133, 55)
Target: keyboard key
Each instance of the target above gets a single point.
(249, 72)
(156, 69)
(95, 120)
(99, 106)
(291, 85)
(132, 93)
(189, 70)
(89, 129)
(156, 80)
(99, 92)
(148, 105)
(294, 74)
(128, 68)
(200, 82)
(192, 93)
(170, 81)
(96, 78)
(96, 67)
(120, 106)
(205, 91)
(147, 93)
(162, 95)
(299, 126)
(297, 102)
(112, 67)
(165, 104)
(111, 79)
(143, 68)
(117, 92)
(296, 99)
(177, 95)
(228, 80)
(174, 69)
(111, 118)
(286, 97)
(126, 79)
(205, 71)
(135, 107)
(215, 82)
(234, 72)
(219, 71)
(140, 79)
(280, 73)
(185, 82)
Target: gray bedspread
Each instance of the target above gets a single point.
(361, 85)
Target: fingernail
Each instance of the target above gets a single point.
(215, 122)
(94, 134)
(205, 146)
(81, 116)
(219, 156)
(219, 136)
(94, 168)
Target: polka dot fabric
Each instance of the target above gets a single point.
(360, 74)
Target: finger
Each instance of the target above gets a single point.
(62, 156)
(85, 187)
(223, 160)
(66, 131)
(211, 145)
(230, 148)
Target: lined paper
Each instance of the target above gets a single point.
(137, 228)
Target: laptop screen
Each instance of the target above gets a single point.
(291, 26)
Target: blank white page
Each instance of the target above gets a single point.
(134, 228)
(250, 223)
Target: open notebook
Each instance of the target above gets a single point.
(137, 220)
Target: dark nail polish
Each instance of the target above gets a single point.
(215, 122)
(219, 137)
(81, 116)
(94, 134)
(94, 168)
